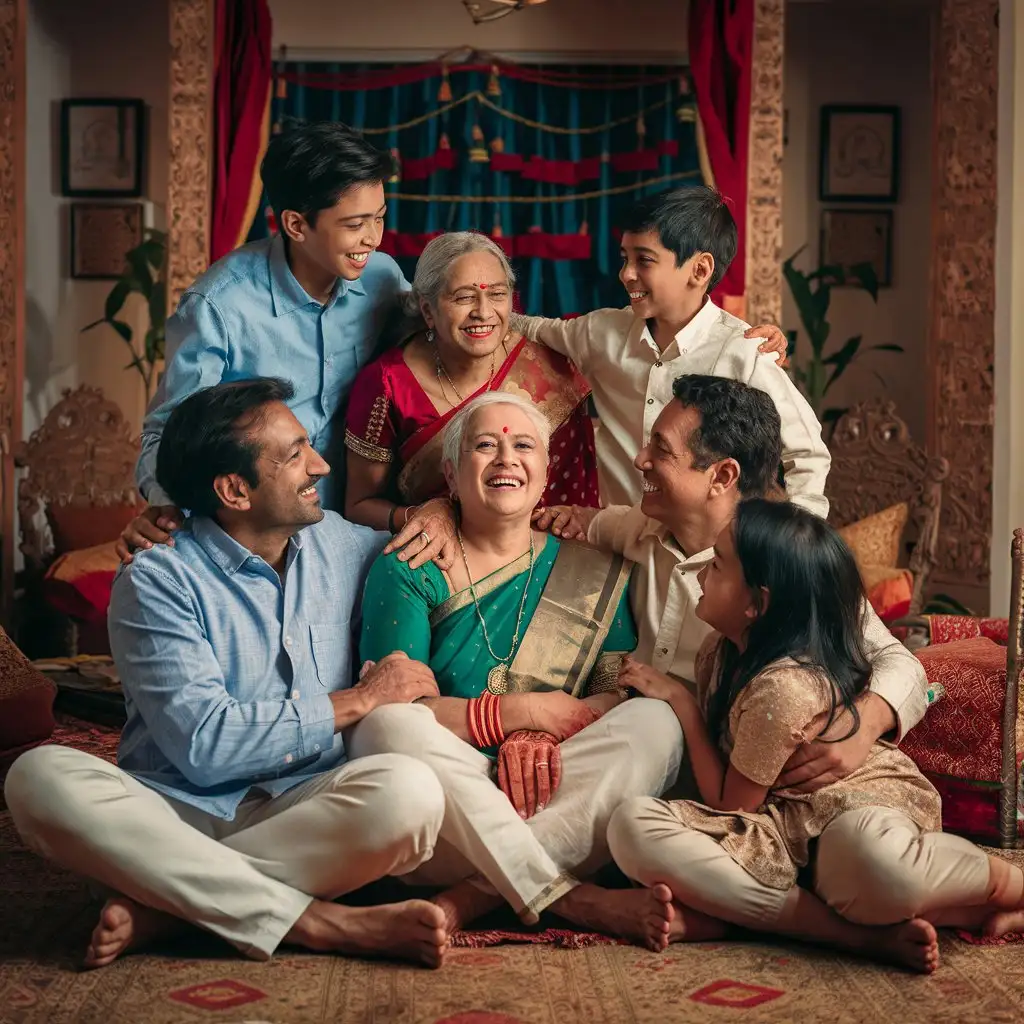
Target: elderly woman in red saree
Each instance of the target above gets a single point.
(402, 402)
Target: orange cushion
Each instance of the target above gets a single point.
(26, 700)
(80, 525)
(891, 593)
(78, 583)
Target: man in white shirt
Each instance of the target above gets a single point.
(717, 443)
(675, 248)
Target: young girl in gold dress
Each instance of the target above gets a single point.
(786, 667)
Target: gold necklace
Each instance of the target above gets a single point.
(497, 678)
(440, 368)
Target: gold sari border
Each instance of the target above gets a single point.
(571, 623)
(373, 452)
(464, 598)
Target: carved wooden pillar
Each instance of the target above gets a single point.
(191, 125)
(12, 273)
(764, 174)
(960, 414)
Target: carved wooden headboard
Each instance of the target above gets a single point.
(876, 464)
(82, 454)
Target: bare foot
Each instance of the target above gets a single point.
(413, 930)
(913, 944)
(1002, 922)
(689, 925)
(464, 903)
(640, 915)
(125, 925)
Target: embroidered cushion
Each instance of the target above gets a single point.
(26, 700)
(958, 746)
(875, 541)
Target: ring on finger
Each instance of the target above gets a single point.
(425, 536)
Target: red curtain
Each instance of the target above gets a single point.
(241, 117)
(721, 46)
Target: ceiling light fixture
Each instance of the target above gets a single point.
(492, 10)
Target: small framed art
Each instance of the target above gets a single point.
(860, 154)
(101, 148)
(101, 234)
(858, 236)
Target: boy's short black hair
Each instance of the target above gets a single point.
(202, 440)
(736, 422)
(310, 166)
(688, 221)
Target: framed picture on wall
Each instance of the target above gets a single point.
(101, 234)
(101, 147)
(858, 236)
(860, 154)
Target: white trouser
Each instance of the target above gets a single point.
(874, 866)
(247, 880)
(633, 750)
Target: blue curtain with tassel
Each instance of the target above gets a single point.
(567, 232)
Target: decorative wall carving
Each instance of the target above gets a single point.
(82, 454)
(12, 263)
(188, 178)
(875, 465)
(963, 281)
(764, 174)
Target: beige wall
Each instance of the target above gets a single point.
(434, 26)
(872, 54)
(112, 49)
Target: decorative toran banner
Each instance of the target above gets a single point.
(570, 173)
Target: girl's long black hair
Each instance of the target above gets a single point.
(815, 607)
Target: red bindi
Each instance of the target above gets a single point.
(483, 287)
(504, 430)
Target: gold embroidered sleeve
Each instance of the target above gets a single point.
(373, 452)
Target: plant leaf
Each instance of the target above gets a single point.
(142, 279)
(866, 277)
(95, 323)
(886, 348)
(158, 304)
(123, 329)
(116, 299)
(840, 360)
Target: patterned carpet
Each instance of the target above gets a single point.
(47, 916)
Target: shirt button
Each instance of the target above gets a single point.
(664, 650)
(328, 361)
(295, 694)
(316, 746)
(287, 641)
(650, 401)
(683, 351)
(659, 363)
(287, 758)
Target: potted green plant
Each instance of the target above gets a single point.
(812, 293)
(145, 276)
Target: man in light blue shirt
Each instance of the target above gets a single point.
(233, 806)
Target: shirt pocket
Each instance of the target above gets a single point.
(331, 644)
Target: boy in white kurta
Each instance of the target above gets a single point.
(675, 248)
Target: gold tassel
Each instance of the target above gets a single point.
(275, 129)
(443, 143)
(493, 85)
(496, 231)
(584, 229)
(497, 144)
(444, 94)
(281, 89)
(478, 151)
(396, 161)
(641, 131)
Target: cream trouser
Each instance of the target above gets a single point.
(247, 880)
(633, 750)
(874, 866)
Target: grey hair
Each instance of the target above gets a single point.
(435, 263)
(454, 439)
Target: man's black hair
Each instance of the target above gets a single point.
(209, 435)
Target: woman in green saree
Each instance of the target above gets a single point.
(525, 635)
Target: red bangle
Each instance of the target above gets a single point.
(472, 706)
(492, 707)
